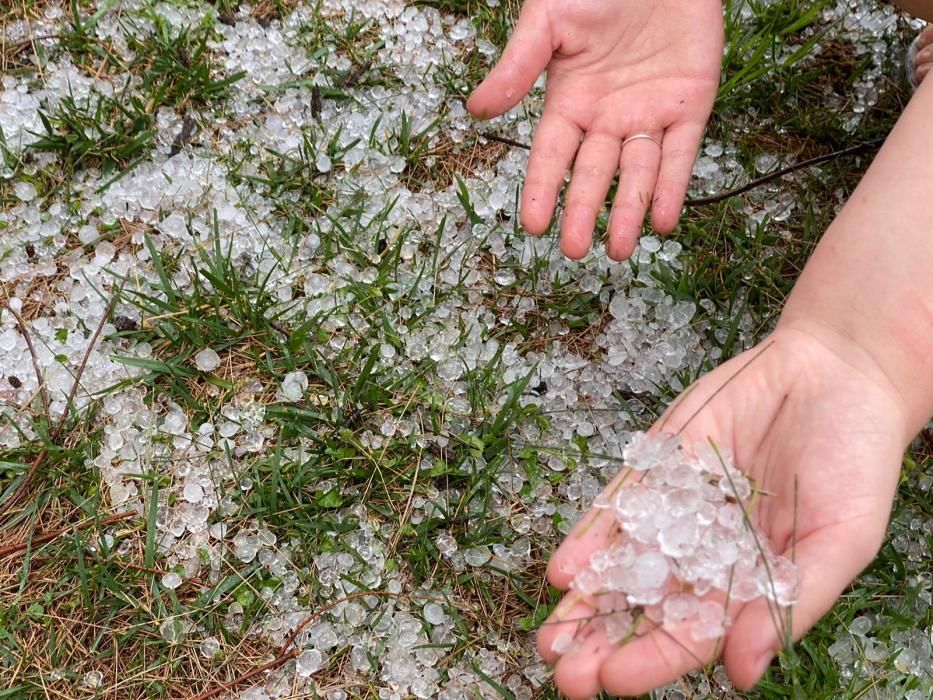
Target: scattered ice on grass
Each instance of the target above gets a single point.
(169, 202)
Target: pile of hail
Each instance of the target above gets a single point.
(687, 545)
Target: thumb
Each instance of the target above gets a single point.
(525, 57)
(827, 561)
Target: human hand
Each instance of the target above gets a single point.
(615, 69)
(822, 432)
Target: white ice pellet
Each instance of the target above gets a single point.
(193, 492)
(308, 662)
(434, 614)
(680, 524)
(477, 556)
(207, 360)
(171, 580)
(209, 647)
(172, 630)
(93, 680)
(294, 385)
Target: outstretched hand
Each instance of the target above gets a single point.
(822, 433)
(615, 69)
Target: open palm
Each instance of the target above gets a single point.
(822, 434)
(615, 68)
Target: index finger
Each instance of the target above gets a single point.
(525, 57)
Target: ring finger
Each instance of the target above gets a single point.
(593, 170)
(638, 174)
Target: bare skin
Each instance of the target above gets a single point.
(613, 70)
(616, 69)
(820, 415)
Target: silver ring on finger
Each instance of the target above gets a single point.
(636, 137)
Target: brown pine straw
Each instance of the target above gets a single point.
(48, 536)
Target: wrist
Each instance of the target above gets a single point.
(868, 287)
(894, 354)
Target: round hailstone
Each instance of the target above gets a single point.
(477, 556)
(93, 679)
(207, 360)
(587, 582)
(679, 607)
(710, 623)
(174, 225)
(172, 630)
(679, 538)
(209, 648)
(171, 580)
(434, 614)
(308, 662)
(651, 570)
(294, 385)
(193, 492)
(26, 191)
(860, 626)
(745, 589)
(619, 627)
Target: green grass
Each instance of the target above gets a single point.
(82, 602)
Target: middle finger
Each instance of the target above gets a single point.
(593, 171)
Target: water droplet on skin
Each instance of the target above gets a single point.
(509, 92)
(566, 176)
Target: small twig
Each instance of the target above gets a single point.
(84, 361)
(41, 457)
(765, 179)
(47, 536)
(751, 185)
(35, 359)
(286, 654)
(504, 139)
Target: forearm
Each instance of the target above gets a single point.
(871, 277)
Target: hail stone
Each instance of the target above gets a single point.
(207, 360)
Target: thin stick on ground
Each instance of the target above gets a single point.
(748, 186)
(43, 455)
(54, 534)
(34, 356)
